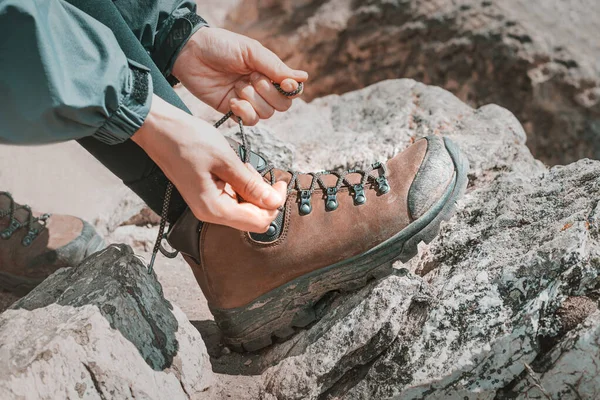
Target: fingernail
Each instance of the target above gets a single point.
(272, 199)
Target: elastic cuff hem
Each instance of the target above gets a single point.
(133, 109)
(182, 25)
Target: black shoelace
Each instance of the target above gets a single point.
(15, 224)
(305, 194)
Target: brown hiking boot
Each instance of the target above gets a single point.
(335, 233)
(34, 245)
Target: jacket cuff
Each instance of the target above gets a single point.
(179, 27)
(133, 107)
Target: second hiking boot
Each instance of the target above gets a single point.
(34, 245)
(335, 233)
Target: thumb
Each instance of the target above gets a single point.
(250, 185)
(267, 63)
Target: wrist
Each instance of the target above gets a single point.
(187, 54)
(162, 120)
(182, 28)
(167, 128)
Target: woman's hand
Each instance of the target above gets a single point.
(206, 171)
(233, 72)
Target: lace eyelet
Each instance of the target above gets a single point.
(29, 238)
(359, 195)
(331, 202)
(305, 206)
(14, 225)
(272, 229)
(383, 185)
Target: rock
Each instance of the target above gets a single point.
(143, 218)
(341, 347)
(128, 208)
(215, 11)
(508, 282)
(569, 371)
(375, 123)
(500, 275)
(141, 239)
(101, 330)
(538, 59)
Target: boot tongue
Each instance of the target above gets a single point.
(256, 160)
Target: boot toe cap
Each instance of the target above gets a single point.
(436, 172)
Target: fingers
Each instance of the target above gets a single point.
(245, 216)
(269, 93)
(267, 63)
(246, 91)
(250, 185)
(244, 110)
(290, 85)
(259, 99)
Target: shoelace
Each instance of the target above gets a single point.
(304, 194)
(15, 224)
(331, 191)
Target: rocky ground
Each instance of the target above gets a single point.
(503, 304)
(540, 60)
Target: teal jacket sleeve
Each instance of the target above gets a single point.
(162, 27)
(63, 76)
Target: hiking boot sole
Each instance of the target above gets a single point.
(277, 314)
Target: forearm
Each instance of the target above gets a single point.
(63, 76)
(164, 126)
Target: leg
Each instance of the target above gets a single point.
(127, 160)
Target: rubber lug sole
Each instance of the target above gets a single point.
(295, 305)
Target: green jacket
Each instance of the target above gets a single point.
(63, 76)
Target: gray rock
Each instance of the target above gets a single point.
(500, 278)
(375, 123)
(538, 59)
(128, 207)
(102, 330)
(569, 370)
(493, 304)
